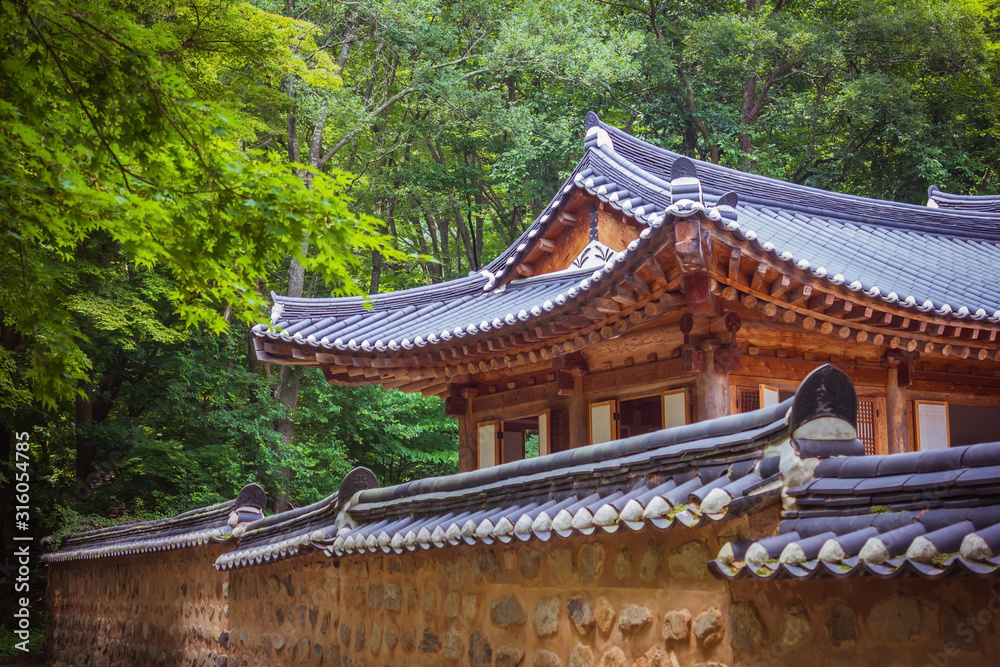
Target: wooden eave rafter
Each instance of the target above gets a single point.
(658, 280)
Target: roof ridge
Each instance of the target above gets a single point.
(767, 191)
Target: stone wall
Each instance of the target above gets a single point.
(906, 621)
(620, 599)
(627, 599)
(162, 608)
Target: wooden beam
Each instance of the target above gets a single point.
(840, 308)
(820, 302)
(780, 287)
(858, 313)
(623, 295)
(546, 245)
(526, 269)
(566, 219)
(734, 265)
(758, 277)
(605, 305)
(800, 295)
(637, 284)
(655, 271)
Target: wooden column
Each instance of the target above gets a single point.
(579, 417)
(712, 388)
(895, 412)
(459, 405)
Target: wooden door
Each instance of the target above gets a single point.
(603, 422)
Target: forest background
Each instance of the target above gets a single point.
(167, 164)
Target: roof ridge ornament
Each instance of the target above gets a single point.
(824, 417)
(686, 197)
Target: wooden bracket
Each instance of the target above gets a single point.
(727, 359)
(692, 359)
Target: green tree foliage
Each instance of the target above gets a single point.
(129, 123)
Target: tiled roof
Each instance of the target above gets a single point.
(685, 476)
(933, 513)
(971, 203)
(286, 534)
(216, 523)
(918, 258)
(415, 318)
(927, 259)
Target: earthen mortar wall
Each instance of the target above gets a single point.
(626, 599)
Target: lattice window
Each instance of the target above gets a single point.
(866, 423)
(749, 400)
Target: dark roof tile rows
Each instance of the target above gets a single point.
(933, 513)
(931, 260)
(216, 523)
(686, 476)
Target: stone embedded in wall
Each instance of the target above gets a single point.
(359, 596)
(895, 619)
(746, 629)
(604, 614)
(390, 640)
(531, 561)
(546, 616)
(507, 611)
(581, 613)
(613, 657)
(649, 563)
(840, 625)
(393, 595)
(591, 561)
(429, 601)
(797, 626)
(582, 656)
(375, 643)
(461, 568)
(480, 651)
(345, 633)
(313, 617)
(412, 600)
(708, 627)
(486, 565)
(359, 637)
(634, 618)
(623, 564)
(545, 659)
(375, 595)
(470, 605)
(394, 565)
(286, 582)
(958, 629)
(677, 625)
(429, 642)
(509, 656)
(224, 639)
(452, 601)
(408, 640)
(657, 657)
(332, 652)
(510, 560)
(453, 646)
(688, 560)
(302, 650)
(560, 564)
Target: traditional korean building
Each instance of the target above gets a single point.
(655, 290)
(707, 419)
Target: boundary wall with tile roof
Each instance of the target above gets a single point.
(601, 555)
